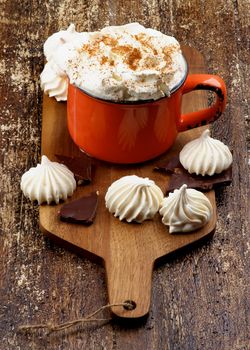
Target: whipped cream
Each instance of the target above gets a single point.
(58, 49)
(133, 198)
(185, 210)
(120, 63)
(205, 155)
(58, 40)
(48, 182)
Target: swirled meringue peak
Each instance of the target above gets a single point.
(205, 156)
(185, 210)
(54, 82)
(48, 182)
(133, 198)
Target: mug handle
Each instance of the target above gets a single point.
(204, 116)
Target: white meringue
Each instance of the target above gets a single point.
(205, 155)
(185, 210)
(48, 182)
(54, 82)
(133, 198)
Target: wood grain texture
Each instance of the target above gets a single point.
(128, 251)
(199, 299)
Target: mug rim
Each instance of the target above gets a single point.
(140, 102)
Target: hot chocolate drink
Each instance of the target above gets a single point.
(124, 88)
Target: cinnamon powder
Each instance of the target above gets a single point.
(130, 55)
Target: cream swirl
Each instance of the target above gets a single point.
(133, 198)
(48, 182)
(185, 210)
(127, 63)
(205, 156)
(58, 49)
(57, 40)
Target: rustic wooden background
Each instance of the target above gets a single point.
(199, 300)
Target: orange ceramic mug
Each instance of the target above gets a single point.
(131, 132)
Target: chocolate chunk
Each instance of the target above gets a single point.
(203, 183)
(168, 166)
(180, 176)
(80, 211)
(80, 166)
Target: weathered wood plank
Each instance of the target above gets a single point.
(199, 299)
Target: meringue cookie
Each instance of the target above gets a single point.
(133, 198)
(185, 210)
(205, 156)
(48, 182)
(54, 82)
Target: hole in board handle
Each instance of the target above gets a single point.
(131, 305)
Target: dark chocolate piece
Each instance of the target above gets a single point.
(169, 166)
(80, 211)
(180, 176)
(80, 166)
(199, 182)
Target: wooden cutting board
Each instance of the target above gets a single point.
(128, 251)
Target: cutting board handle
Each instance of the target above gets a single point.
(129, 281)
